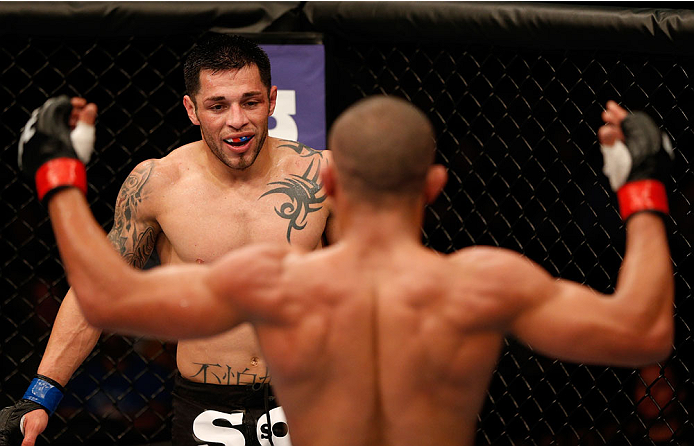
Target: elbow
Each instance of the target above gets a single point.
(661, 341)
(654, 345)
(660, 337)
(649, 333)
(653, 354)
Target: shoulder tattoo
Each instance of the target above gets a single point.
(301, 148)
(303, 192)
(133, 241)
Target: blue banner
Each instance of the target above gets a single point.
(299, 73)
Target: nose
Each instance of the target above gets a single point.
(236, 117)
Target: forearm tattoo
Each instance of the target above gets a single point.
(224, 374)
(134, 242)
(302, 191)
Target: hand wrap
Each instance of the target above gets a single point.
(53, 154)
(638, 168)
(46, 392)
(43, 393)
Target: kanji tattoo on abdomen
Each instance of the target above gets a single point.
(224, 374)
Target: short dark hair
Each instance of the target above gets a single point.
(383, 147)
(220, 52)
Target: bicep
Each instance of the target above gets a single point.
(134, 230)
(571, 322)
(631, 327)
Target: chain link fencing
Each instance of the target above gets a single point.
(516, 128)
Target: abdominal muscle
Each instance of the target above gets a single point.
(230, 358)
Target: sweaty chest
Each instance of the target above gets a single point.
(200, 226)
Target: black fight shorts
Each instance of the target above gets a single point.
(226, 415)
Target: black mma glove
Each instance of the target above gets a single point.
(637, 168)
(53, 154)
(43, 393)
(10, 418)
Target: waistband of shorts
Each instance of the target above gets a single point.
(184, 387)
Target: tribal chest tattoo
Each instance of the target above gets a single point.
(302, 191)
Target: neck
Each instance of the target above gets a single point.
(378, 225)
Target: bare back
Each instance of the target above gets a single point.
(201, 218)
(398, 338)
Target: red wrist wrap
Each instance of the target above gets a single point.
(60, 172)
(642, 195)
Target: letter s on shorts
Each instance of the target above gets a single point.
(204, 430)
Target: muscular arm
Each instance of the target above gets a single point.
(133, 234)
(635, 325)
(632, 327)
(71, 341)
(134, 231)
(176, 301)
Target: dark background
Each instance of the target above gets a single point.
(515, 92)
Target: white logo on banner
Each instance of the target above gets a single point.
(285, 109)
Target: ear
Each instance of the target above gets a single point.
(273, 99)
(190, 109)
(327, 175)
(436, 179)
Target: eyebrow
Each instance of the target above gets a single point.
(250, 94)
